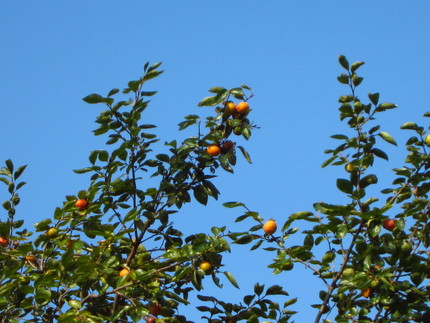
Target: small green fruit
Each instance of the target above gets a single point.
(52, 232)
(427, 140)
(348, 272)
(349, 168)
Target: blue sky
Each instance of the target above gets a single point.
(53, 54)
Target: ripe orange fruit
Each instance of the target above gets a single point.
(366, 292)
(30, 258)
(230, 108)
(124, 272)
(205, 266)
(270, 227)
(213, 150)
(155, 309)
(151, 319)
(389, 224)
(52, 232)
(70, 243)
(228, 145)
(242, 107)
(81, 204)
(3, 241)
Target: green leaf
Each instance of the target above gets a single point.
(238, 93)
(233, 204)
(409, 125)
(343, 78)
(217, 89)
(244, 240)
(379, 153)
(75, 304)
(9, 165)
(19, 172)
(387, 137)
(344, 185)
(328, 257)
(344, 62)
(245, 154)
(148, 93)
(200, 194)
(328, 161)
(374, 98)
(208, 101)
(231, 279)
(163, 157)
(339, 137)
(152, 74)
(355, 66)
(368, 180)
(276, 290)
(386, 106)
(42, 225)
(93, 98)
(113, 92)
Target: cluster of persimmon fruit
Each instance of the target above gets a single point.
(236, 112)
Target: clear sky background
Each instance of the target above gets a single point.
(53, 53)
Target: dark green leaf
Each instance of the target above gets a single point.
(368, 180)
(19, 171)
(113, 92)
(148, 93)
(93, 98)
(344, 185)
(343, 78)
(276, 290)
(9, 165)
(233, 204)
(245, 154)
(217, 89)
(200, 194)
(339, 137)
(344, 62)
(379, 153)
(374, 98)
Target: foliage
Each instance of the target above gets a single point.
(369, 271)
(68, 270)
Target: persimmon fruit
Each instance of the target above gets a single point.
(70, 243)
(151, 319)
(3, 241)
(230, 108)
(389, 224)
(123, 272)
(155, 309)
(30, 258)
(270, 227)
(227, 145)
(242, 107)
(82, 204)
(366, 292)
(213, 150)
(206, 266)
